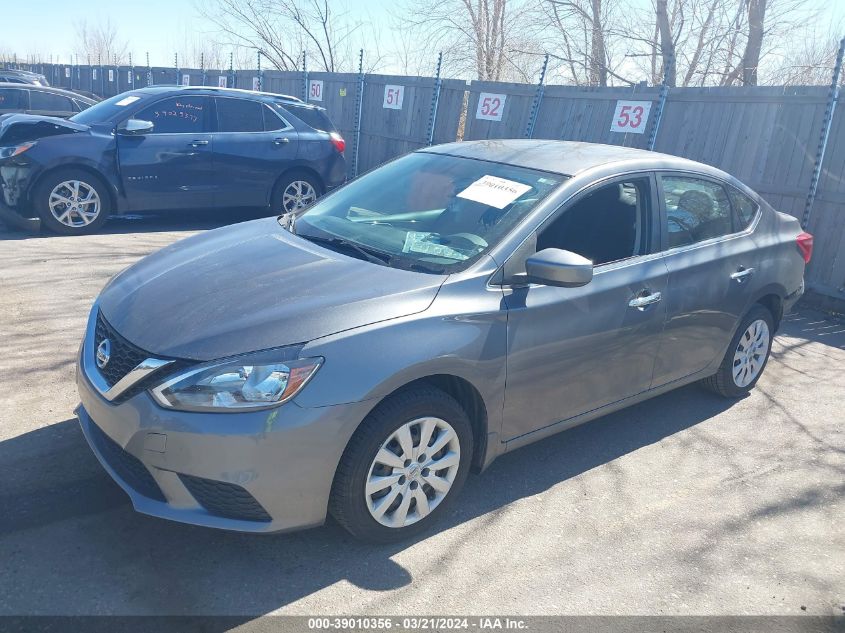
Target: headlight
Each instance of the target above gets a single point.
(16, 150)
(257, 381)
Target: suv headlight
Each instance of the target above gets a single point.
(16, 150)
(257, 381)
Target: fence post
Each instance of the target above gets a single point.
(149, 71)
(832, 99)
(538, 98)
(435, 100)
(232, 69)
(102, 79)
(202, 67)
(359, 102)
(130, 85)
(304, 79)
(178, 82)
(661, 106)
(260, 73)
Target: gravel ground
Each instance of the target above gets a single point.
(686, 504)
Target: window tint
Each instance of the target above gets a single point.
(12, 99)
(745, 209)
(239, 115)
(175, 115)
(40, 100)
(607, 225)
(696, 210)
(313, 117)
(272, 122)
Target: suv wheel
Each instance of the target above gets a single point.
(295, 191)
(404, 466)
(746, 357)
(71, 202)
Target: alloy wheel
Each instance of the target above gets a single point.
(750, 354)
(412, 472)
(74, 203)
(298, 195)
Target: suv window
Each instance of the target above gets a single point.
(745, 208)
(607, 225)
(40, 100)
(272, 122)
(177, 115)
(239, 115)
(696, 210)
(313, 117)
(12, 99)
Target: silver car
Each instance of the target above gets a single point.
(457, 303)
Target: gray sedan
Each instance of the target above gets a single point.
(464, 300)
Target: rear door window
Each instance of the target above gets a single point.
(239, 115)
(696, 210)
(13, 100)
(177, 115)
(744, 207)
(49, 102)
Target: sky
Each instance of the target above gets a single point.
(161, 27)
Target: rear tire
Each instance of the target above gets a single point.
(71, 201)
(746, 357)
(294, 191)
(388, 447)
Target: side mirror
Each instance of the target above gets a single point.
(135, 127)
(556, 267)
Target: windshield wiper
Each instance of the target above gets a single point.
(371, 255)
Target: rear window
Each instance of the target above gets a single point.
(313, 117)
(745, 208)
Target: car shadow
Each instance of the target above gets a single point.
(179, 220)
(61, 506)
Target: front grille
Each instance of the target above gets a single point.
(124, 355)
(224, 499)
(128, 467)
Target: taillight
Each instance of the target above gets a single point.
(805, 245)
(338, 142)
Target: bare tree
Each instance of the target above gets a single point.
(282, 29)
(487, 38)
(101, 43)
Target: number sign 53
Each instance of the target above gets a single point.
(631, 116)
(490, 106)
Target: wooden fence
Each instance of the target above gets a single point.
(767, 137)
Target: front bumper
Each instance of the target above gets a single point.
(263, 471)
(13, 181)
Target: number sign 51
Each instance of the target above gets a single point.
(490, 106)
(631, 116)
(393, 96)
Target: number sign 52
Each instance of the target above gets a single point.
(631, 116)
(490, 106)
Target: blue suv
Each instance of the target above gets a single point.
(163, 148)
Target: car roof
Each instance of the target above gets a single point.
(213, 90)
(564, 157)
(58, 91)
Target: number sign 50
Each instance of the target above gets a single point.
(315, 90)
(490, 106)
(631, 116)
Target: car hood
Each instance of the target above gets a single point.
(19, 128)
(250, 287)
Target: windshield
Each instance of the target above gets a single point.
(428, 212)
(106, 110)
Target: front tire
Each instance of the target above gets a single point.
(404, 466)
(746, 357)
(71, 202)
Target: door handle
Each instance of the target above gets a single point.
(741, 275)
(643, 302)
(279, 141)
(198, 143)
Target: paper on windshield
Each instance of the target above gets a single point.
(494, 191)
(127, 101)
(419, 242)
